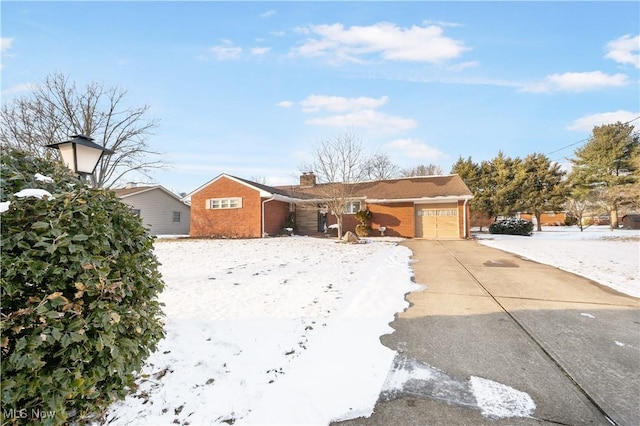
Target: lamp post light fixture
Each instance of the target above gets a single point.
(80, 154)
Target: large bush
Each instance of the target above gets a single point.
(79, 295)
(512, 227)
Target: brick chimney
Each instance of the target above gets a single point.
(307, 179)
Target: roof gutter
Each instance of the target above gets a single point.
(423, 200)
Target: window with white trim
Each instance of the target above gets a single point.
(352, 207)
(224, 203)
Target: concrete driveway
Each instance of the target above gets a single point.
(571, 345)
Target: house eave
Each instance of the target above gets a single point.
(283, 198)
(420, 200)
(263, 193)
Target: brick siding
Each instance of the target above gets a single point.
(398, 218)
(275, 215)
(242, 222)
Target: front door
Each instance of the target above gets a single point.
(323, 216)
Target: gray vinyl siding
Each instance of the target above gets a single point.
(157, 212)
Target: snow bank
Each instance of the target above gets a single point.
(611, 258)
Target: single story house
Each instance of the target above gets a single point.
(630, 221)
(161, 211)
(420, 207)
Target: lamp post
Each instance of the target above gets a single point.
(80, 154)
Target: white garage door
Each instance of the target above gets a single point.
(437, 221)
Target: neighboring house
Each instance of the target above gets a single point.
(422, 207)
(631, 221)
(161, 211)
(546, 218)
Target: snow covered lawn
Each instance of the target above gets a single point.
(611, 258)
(285, 331)
(270, 331)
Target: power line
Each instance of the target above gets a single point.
(586, 139)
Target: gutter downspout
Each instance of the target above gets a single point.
(466, 232)
(264, 234)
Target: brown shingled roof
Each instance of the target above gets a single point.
(411, 188)
(395, 189)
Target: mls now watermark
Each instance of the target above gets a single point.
(27, 413)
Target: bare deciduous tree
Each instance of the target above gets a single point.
(422, 170)
(57, 109)
(338, 164)
(380, 167)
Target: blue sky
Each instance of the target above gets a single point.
(248, 88)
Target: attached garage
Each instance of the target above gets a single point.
(438, 221)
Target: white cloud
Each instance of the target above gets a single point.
(27, 87)
(268, 14)
(367, 118)
(577, 82)
(340, 104)
(588, 122)
(441, 23)
(226, 51)
(388, 41)
(414, 149)
(625, 50)
(5, 43)
(260, 50)
(464, 65)
(352, 112)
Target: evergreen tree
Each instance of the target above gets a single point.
(468, 171)
(608, 164)
(541, 186)
(485, 188)
(470, 174)
(505, 190)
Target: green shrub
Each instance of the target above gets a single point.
(363, 216)
(363, 229)
(512, 227)
(570, 220)
(79, 291)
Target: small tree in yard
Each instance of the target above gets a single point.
(338, 163)
(79, 291)
(363, 229)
